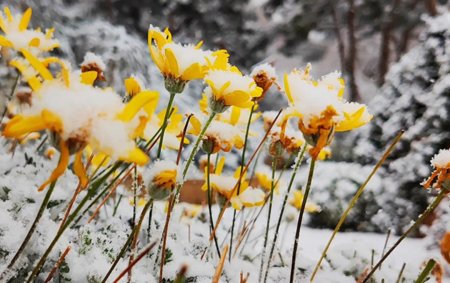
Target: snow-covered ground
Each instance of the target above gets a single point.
(94, 245)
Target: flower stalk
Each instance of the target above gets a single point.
(414, 226)
(299, 161)
(266, 233)
(247, 130)
(33, 226)
(354, 200)
(300, 218)
(208, 184)
(164, 125)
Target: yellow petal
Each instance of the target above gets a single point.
(150, 107)
(89, 77)
(220, 165)
(53, 122)
(34, 83)
(135, 104)
(203, 103)
(35, 42)
(8, 14)
(49, 33)
(25, 20)
(62, 165)
(136, 156)
(17, 64)
(20, 125)
(238, 98)
(193, 72)
(38, 65)
(235, 114)
(5, 42)
(199, 44)
(132, 86)
(172, 60)
(236, 203)
(3, 25)
(287, 89)
(64, 68)
(196, 126)
(79, 170)
(139, 131)
(157, 58)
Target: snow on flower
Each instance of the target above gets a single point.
(440, 178)
(218, 136)
(76, 114)
(161, 178)
(181, 63)
(297, 199)
(226, 188)
(230, 87)
(264, 76)
(93, 62)
(321, 108)
(18, 36)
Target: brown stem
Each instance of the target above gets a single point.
(165, 232)
(219, 268)
(57, 264)
(133, 263)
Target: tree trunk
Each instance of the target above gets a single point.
(337, 32)
(352, 49)
(385, 52)
(431, 7)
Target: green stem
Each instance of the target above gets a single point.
(416, 224)
(426, 271)
(117, 205)
(247, 130)
(211, 221)
(197, 143)
(91, 192)
(33, 226)
(299, 161)
(354, 200)
(266, 234)
(300, 217)
(164, 125)
(129, 240)
(95, 185)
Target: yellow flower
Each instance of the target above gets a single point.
(284, 138)
(133, 85)
(181, 63)
(325, 153)
(297, 201)
(321, 108)
(172, 136)
(265, 181)
(226, 188)
(18, 36)
(218, 136)
(192, 210)
(94, 63)
(77, 114)
(230, 88)
(264, 76)
(440, 178)
(161, 179)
